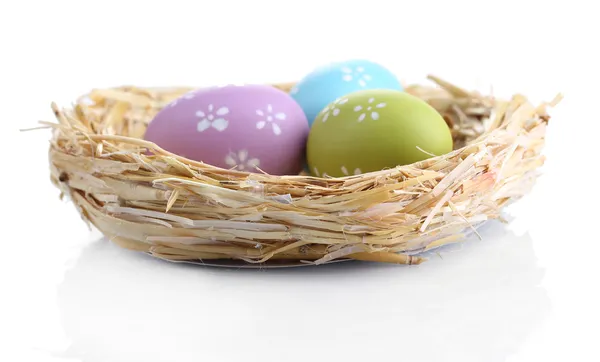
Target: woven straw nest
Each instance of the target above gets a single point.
(181, 210)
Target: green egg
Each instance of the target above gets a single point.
(371, 130)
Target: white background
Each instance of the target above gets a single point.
(527, 292)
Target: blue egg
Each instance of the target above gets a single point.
(327, 83)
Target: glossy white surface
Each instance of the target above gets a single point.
(527, 292)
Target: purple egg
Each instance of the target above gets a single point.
(241, 126)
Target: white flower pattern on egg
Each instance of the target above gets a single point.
(332, 109)
(241, 160)
(270, 118)
(188, 95)
(358, 74)
(208, 119)
(357, 171)
(368, 108)
(294, 90)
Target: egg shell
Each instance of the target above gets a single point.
(327, 83)
(245, 126)
(372, 130)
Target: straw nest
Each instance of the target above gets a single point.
(181, 210)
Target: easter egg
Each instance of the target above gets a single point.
(235, 126)
(329, 82)
(372, 130)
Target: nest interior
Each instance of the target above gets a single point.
(182, 210)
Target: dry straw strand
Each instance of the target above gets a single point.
(184, 210)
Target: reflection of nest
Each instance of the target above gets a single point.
(178, 209)
(130, 307)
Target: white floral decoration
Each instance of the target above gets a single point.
(357, 171)
(369, 108)
(241, 160)
(215, 120)
(357, 74)
(333, 109)
(271, 118)
(294, 90)
(188, 95)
